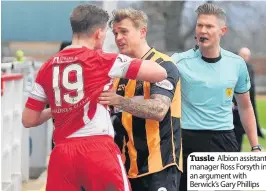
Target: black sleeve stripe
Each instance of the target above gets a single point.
(150, 56)
(242, 93)
(159, 60)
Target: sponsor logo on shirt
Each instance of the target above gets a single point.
(165, 84)
(123, 58)
(121, 87)
(64, 59)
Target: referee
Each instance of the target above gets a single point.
(210, 76)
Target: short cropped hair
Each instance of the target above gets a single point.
(211, 9)
(85, 18)
(138, 17)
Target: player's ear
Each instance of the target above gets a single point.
(223, 30)
(100, 32)
(97, 33)
(143, 32)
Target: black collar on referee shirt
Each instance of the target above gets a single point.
(211, 60)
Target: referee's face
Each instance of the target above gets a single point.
(127, 37)
(211, 28)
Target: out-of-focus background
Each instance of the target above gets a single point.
(39, 27)
(32, 31)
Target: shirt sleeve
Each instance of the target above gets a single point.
(175, 57)
(243, 82)
(125, 67)
(167, 87)
(37, 99)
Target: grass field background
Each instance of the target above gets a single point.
(261, 109)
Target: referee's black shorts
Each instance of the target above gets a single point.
(205, 141)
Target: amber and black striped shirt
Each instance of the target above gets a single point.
(149, 146)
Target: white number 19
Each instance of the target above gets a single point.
(78, 86)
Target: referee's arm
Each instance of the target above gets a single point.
(245, 108)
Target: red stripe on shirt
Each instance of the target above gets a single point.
(133, 69)
(35, 105)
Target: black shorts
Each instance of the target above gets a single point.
(205, 141)
(167, 179)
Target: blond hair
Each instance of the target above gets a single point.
(138, 17)
(211, 9)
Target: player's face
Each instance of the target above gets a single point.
(210, 27)
(127, 36)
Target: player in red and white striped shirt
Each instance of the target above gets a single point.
(85, 154)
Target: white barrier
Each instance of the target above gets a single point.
(27, 70)
(7, 67)
(25, 149)
(34, 148)
(11, 131)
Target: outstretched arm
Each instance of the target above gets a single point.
(154, 108)
(132, 68)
